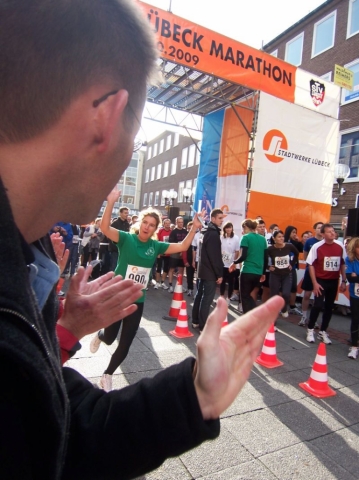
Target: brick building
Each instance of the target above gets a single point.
(171, 164)
(327, 36)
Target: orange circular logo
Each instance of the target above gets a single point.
(225, 209)
(273, 142)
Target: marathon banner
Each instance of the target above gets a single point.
(186, 43)
(293, 170)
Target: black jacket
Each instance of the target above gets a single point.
(122, 225)
(210, 264)
(54, 423)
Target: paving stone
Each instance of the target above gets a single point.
(260, 432)
(165, 343)
(343, 446)
(304, 462)
(254, 470)
(140, 362)
(343, 407)
(349, 367)
(223, 452)
(171, 469)
(306, 420)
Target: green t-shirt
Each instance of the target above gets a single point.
(136, 258)
(254, 262)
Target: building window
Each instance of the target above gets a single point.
(168, 142)
(191, 155)
(157, 198)
(349, 152)
(150, 198)
(294, 50)
(159, 171)
(176, 140)
(174, 166)
(197, 153)
(162, 144)
(144, 199)
(165, 169)
(324, 34)
(189, 184)
(153, 171)
(184, 158)
(155, 150)
(275, 53)
(180, 192)
(353, 95)
(327, 76)
(353, 18)
(163, 200)
(149, 153)
(147, 177)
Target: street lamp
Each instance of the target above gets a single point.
(169, 196)
(187, 192)
(341, 172)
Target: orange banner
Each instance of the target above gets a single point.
(189, 44)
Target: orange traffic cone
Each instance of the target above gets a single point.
(268, 357)
(317, 384)
(225, 323)
(181, 330)
(177, 300)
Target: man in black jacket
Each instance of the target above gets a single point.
(121, 223)
(210, 269)
(72, 88)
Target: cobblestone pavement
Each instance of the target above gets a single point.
(274, 429)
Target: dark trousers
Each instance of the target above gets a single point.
(73, 259)
(202, 301)
(326, 300)
(86, 255)
(130, 326)
(113, 261)
(248, 281)
(354, 308)
(190, 275)
(281, 283)
(228, 277)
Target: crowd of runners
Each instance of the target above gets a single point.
(249, 267)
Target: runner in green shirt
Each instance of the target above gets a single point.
(137, 254)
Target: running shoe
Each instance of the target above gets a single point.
(61, 293)
(324, 337)
(95, 344)
(184, 290)
(170, 290)
(295, 311)
(302, 322)
(353, 353)
(189, 293)
(228, 301)
(234, 297)
(240, 308)
(195, 325)
(156, 286)
(310, 335)
(284, 314)
(106, 382)
(164, 286)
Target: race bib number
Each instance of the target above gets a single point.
(331, 264)
(138, 274)
(356, 289)
(282, 262)
(166, 238)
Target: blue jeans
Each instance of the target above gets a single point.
(73, 259)
(202, 302)
(113, 261)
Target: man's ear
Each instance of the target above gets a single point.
(108, 117)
